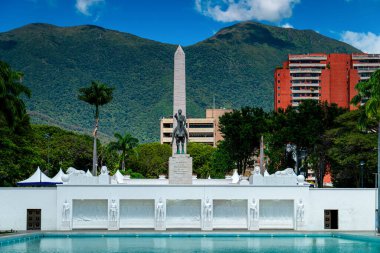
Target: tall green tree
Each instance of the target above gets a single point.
(347, 147)
(125, 145)
(369, 96)
(304, 127)
(12, 107)
(97, 94)
(242, 130)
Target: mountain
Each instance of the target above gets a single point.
(235, 65)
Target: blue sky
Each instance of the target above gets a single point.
(186, 22)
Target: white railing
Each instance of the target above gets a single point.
(302, 64)
(305, 77)
(305, 85)
(305, 91)
(306, 70)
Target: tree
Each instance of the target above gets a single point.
(124, 144)
(304, 127)
(347, 147)
(202, 155)
(242, 130)
(369, 95)
(150, 159)
(12, 107)
(96, 94)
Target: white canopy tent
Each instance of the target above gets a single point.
(58, 177)
(38, 179)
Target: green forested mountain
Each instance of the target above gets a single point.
(235, 65)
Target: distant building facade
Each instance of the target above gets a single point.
(201, 130)
(323, 77)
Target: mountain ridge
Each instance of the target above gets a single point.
(235, 65)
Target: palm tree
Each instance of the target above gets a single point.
(96, 94)
(369, 97)
(124, 144)
(12, 107)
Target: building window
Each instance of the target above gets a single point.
(278, 101)
(278, 81)
(201, 125)
(278, 87)
(168, 125)
(278, 94)
(278, 74)
(201, 135)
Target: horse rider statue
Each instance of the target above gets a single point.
(180, 132)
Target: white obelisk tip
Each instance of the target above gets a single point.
(179, 50)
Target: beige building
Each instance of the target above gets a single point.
(201, 130)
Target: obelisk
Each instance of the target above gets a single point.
(180, 163)
(179, 93)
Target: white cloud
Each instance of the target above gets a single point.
(367, 42)
(84, 6)
(242, 10)
(287, 25)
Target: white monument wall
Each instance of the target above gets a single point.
(182, 203)
(15, 201)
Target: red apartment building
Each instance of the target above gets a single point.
(323, 77)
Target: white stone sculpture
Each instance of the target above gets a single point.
(72, 170)
(235, 177)
(113, 210)
(207, 210)
(285, 172)
(300, 211)
(160, 215)
(254, 214)
(66, 211)
(104, 170)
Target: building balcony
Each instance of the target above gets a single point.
(365, 77)
(305, 84)
(369, 64)
(305, 77)
(303, 98)
(305, 70)
(308, 57)
(307, 65)
(365, 56)
(305, 91)
(366, 70)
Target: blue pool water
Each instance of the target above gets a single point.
(184, 244)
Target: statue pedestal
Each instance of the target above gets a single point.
(66, 225)
(180, 169)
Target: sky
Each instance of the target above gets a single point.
(187, 22)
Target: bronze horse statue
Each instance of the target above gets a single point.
(180, 132)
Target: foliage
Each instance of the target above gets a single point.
(150, 159)
(12, 107)
(305, 128)
(242, 130)
(348, 146)
(125, 145)
(236, 65)
(201, 154)
(51, 148)
(97, 94)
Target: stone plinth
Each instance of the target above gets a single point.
(180, 169)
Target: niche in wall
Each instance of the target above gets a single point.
(137, 213)
(183, 213)
(90, 213)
